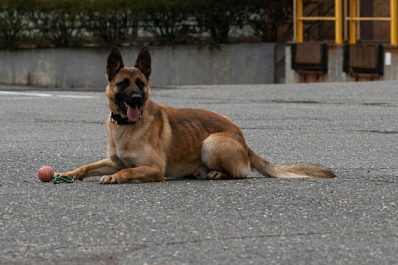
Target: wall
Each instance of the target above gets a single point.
(177, 65)
(391, 71)
(381, 29)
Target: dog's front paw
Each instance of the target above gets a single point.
(111, 179)
(70, 174)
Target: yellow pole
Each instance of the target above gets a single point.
(339, 22)
(358, 25)
(345, 23)
(300, 31)
(352, 22)
(393, 21)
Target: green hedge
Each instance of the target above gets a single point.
(74, 23)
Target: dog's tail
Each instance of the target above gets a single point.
(298, 170)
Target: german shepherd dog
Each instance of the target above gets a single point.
(150, 142)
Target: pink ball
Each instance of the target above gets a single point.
(45, 173)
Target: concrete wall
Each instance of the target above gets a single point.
(391, 70)
(177, 65)
(335, 71)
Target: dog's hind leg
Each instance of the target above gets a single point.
(225, 157)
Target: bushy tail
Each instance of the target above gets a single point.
(298, 170)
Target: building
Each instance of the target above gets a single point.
(343, 40)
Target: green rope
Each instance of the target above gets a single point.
(62, 179)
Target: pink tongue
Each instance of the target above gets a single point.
(133, 113)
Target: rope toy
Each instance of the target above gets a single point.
(62, 179)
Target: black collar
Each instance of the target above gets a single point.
(119, 120)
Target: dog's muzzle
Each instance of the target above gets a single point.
(136, 99)
(133, 104)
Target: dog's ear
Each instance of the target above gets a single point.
(143, 62)
(114, 63)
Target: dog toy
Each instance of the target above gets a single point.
(62, 179)
(45, 173)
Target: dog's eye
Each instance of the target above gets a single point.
(139, 83)
(124, 84)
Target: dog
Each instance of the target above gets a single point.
(150, 142)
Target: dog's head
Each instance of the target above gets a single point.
(128, 89)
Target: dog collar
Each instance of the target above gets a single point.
(119, 120)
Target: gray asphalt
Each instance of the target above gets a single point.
(352, 219)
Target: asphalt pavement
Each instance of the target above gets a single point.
(352, 219)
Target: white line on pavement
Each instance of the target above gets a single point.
(44, 95)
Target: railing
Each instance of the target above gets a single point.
(299, 18)
(318, 25)
(353, 18)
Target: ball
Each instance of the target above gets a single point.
(45, 173)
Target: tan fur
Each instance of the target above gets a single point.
(174, 143)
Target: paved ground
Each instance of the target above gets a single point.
(352, 219)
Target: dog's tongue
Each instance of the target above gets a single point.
(133, 113)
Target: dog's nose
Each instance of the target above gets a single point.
(136, 98)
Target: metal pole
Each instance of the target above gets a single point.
(345, 16)
(339, 22)
(300, 31)
(358, 25)
(352, 22)
(393, 21)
